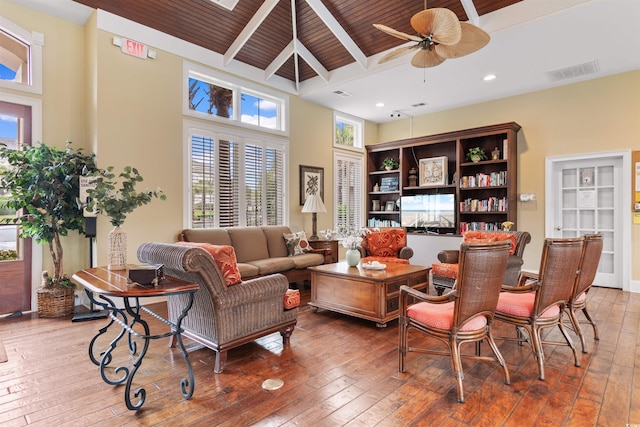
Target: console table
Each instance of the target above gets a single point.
(367, 294)
(106, 284)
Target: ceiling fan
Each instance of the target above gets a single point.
(441, 36)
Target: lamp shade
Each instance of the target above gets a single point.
(313, 204)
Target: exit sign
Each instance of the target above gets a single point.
(134, 48)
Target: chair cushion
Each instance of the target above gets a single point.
(386, 242)
(517, 304)
(441, 316)
(297, 243)
(490, 236)
(384, 259)
(445, 270)
(225, 257)
(291, 299)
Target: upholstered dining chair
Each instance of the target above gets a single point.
(588, 268)
(538, 301)
(461, 316)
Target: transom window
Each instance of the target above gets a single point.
(348, 133)
(225, 99)
(20, 58)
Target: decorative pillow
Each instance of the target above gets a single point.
(291, 299)
(297, 243)
(225, 257)
(490, 236)
(385, 243)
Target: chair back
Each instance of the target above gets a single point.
(384, 242)
(589, 264)
(480, 276)
(559, 267)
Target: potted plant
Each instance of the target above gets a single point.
(117, 203)
(43, 185)
(389, 163)
(476, 154)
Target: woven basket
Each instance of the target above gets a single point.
(55, 302)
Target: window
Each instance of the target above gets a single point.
(226, 99)
(20, 58)
(349, 190)
(348, 132)
(235, 179)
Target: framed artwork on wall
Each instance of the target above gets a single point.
(433, 171)
(311, 182)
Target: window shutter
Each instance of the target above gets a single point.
(202, 181)
(228, 184)
(348, 192)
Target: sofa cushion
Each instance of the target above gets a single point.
(308, 260)
(273, 265)
(384, 260)
(250, 243)
(248, 270)
(215, 236)
(225, 258)
(297, 243)
(275, 242)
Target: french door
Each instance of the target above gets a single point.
(590, 194)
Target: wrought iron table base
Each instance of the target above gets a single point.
(127, 318)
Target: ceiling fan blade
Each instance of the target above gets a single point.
(442, 24)
(473, 38)
(426, 58)
(398, 34)
(396, 53)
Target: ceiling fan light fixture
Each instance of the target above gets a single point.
(489, 77)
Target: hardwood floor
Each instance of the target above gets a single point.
(337, 371)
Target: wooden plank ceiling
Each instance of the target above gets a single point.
(330, 33)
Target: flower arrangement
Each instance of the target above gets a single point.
(352, 238)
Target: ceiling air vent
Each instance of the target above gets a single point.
(573, 71)
(342, 93)
(419, 104)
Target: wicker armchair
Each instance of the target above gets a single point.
(588, 268)
(444, 273)
(463, 315)
(538, 301)
(222, 317)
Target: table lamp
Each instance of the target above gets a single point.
(313, 205)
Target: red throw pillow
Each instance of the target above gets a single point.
(225, 257)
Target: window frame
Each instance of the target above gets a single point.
(358, 135)
(238, 87)
(355, 158)
(35, 41)
(244, 138)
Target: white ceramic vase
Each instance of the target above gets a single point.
(353, 257)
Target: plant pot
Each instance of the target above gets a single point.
(117, 250)
(55, 302)
(353, 257)
(475, 159)
(389, 168)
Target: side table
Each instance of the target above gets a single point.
(106, 284)
(330, 247)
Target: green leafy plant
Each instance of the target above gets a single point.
(8, 255)
(115, 202)
(43, 186)
(476, 153)
(389, 163)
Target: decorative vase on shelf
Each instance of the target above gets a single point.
(376, 205)
(117, 249)
(353, 257)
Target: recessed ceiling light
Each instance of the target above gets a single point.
(379, 104)
(489, 77)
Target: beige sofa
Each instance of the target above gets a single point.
(259, 250)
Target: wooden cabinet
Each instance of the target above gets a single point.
(485, 192)
(330, 249)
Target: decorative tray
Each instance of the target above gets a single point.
(372, 266)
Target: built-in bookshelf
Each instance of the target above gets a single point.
(485, 191)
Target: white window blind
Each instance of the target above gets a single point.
(349, 191)
(236, 181)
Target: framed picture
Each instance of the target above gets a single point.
(390, 206)
(433, 171)
(311, 182)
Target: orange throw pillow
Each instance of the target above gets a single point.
(385, 243)
(490, 236)
(225, 257)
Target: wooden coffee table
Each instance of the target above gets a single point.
(367, 294)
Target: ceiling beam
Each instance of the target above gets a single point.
(248, 30)
(337, 30)
(312, 61)
(279, 60)
(471, 11)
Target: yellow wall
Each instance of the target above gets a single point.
(581, 118)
